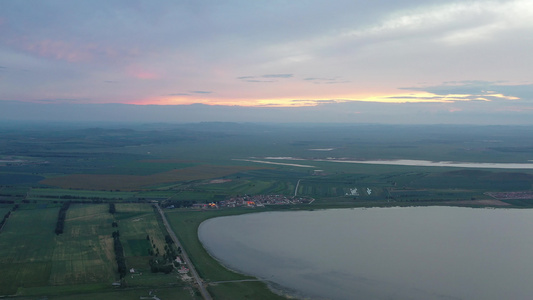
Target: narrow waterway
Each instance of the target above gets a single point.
(382, 253)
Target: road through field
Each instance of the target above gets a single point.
(194, 274)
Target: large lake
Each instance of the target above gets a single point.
(382, 253)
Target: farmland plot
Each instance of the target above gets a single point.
(27, 244)
(32, 255)
(84, 252)
(36, 261)
(136, 222)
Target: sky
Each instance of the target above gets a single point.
(469, 61)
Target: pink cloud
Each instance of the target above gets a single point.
(71, 51)
(60, 50)
(145, 75)
(141, 73)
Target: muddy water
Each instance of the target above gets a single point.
(382, 253)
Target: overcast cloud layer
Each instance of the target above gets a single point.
(469, 58)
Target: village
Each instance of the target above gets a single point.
(255, 201)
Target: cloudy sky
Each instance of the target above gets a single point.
(451, 56)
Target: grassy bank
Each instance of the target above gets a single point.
(185, 225)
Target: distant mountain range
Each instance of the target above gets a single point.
(468, 112)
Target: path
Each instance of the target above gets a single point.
(194, 274)
(296, 188)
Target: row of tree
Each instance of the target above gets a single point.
(170, 252)
(119, 254)
(112, 209)
(5, 219)
(160, 265)
(61, 217)
(6, 216)
(74, 197)
(177, 203)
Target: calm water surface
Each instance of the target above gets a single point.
(382, 253)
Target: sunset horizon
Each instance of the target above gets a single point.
(468, 57)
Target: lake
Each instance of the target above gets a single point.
(426, 163)
(381, 253)
(411, 162)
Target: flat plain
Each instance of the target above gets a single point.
(184, 167)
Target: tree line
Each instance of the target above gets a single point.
(178, 203)
(61, 217)
(70, 197)
(6, 216)
(112, 209)
(4, 219)
(119, 254)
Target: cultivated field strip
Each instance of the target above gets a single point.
(35, 261)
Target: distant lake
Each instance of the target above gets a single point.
(426, 163)
(382, 253)
(414, 162)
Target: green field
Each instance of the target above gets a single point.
(81, 261)
(4, 209)
(27, 250)
(34, 256)
(36, 261)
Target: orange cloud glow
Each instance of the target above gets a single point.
(297, 102)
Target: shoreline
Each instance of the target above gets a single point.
(300, 292)
(289, 293)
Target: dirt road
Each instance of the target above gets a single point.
(194, 274)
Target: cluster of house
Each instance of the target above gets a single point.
(183, 271)
(252, 201)
(262, 200)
